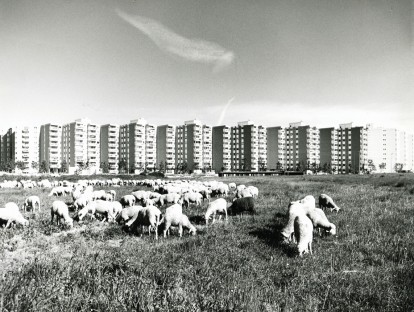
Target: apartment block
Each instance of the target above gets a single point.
(249, 151)
(109, 148)
(25, 142)
(388, 148)
(80, 146)
(166, 148)
(343, 150)
(276, 142)
(302, 147)
(138, 146)
(50, 144)
(6, 147)
(221, 148)
(193, 146)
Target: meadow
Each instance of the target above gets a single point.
(241, 265)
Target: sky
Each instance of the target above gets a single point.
(322, 62)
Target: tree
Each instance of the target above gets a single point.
(382, 165)
(64, 166)
(122, 166)
(279, 166)
(161, 166)
(35, 165)
(398, 167)
(44, 167)
(184, 167)
(20, 165)
(371, 166)
(105, 167)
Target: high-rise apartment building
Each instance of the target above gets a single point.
(80, 146)
(221, 148)
(193, 147)
(25, 143)
(389, 149)
(249, 152)
(344, 150)
(166, 148)
(137, 146)
(276, 143)
(6, 147)
(50, 151)
(302, 147)
(109, 148)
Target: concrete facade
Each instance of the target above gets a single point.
(109, 148)
(50, 146)
(166, 148)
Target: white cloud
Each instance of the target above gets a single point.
(194, 50)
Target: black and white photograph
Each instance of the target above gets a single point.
(205, 155)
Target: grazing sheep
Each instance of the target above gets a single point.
(240, 205)
(88, 209)
(245, 192)
(303, 230)
(105, 209)
(113, 193)
(140, 196)
(295, 208)
(192, 197)
(127, 200)
(12, 206)
(326, 201)
(171, 198)
(147, 216)
(10, 214)
(232, 187)
(32, 201)
(320, 221)
(116, 208)
(57, 191)
(128, 213)
(100, 194)
(81, 202)
(61, 210)
(174, 217)
(254, 191)
(218, 206)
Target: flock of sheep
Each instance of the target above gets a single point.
(142, 208)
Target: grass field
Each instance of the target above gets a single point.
(236, 266)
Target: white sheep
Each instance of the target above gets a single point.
(128, 200)
(88, 209)
(192, 197)
(61, 211)
(32, 201)
(174, 217)
(105, 209)
(303, 230)
(326, 201)
(128, 213)
(57, 191)
(320, 221)
(218, 206)
(10, 214)
(113, 193)
(295, 208)
(82, 201)
(147, 216)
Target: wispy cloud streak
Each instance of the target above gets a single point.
(194, 50)
(224, 111)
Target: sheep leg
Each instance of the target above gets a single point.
(8, 223)
(166, 230)
(310, 247)
(180, 230)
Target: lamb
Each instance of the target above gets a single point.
(303, 230)
(218, 206)
(32, 201)
(61, 210)
(147, 216)
(127, 200)
(319, 220)
(326, 201)
(10, 214)
(174, 217)
(295, 208)
(240, 205)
